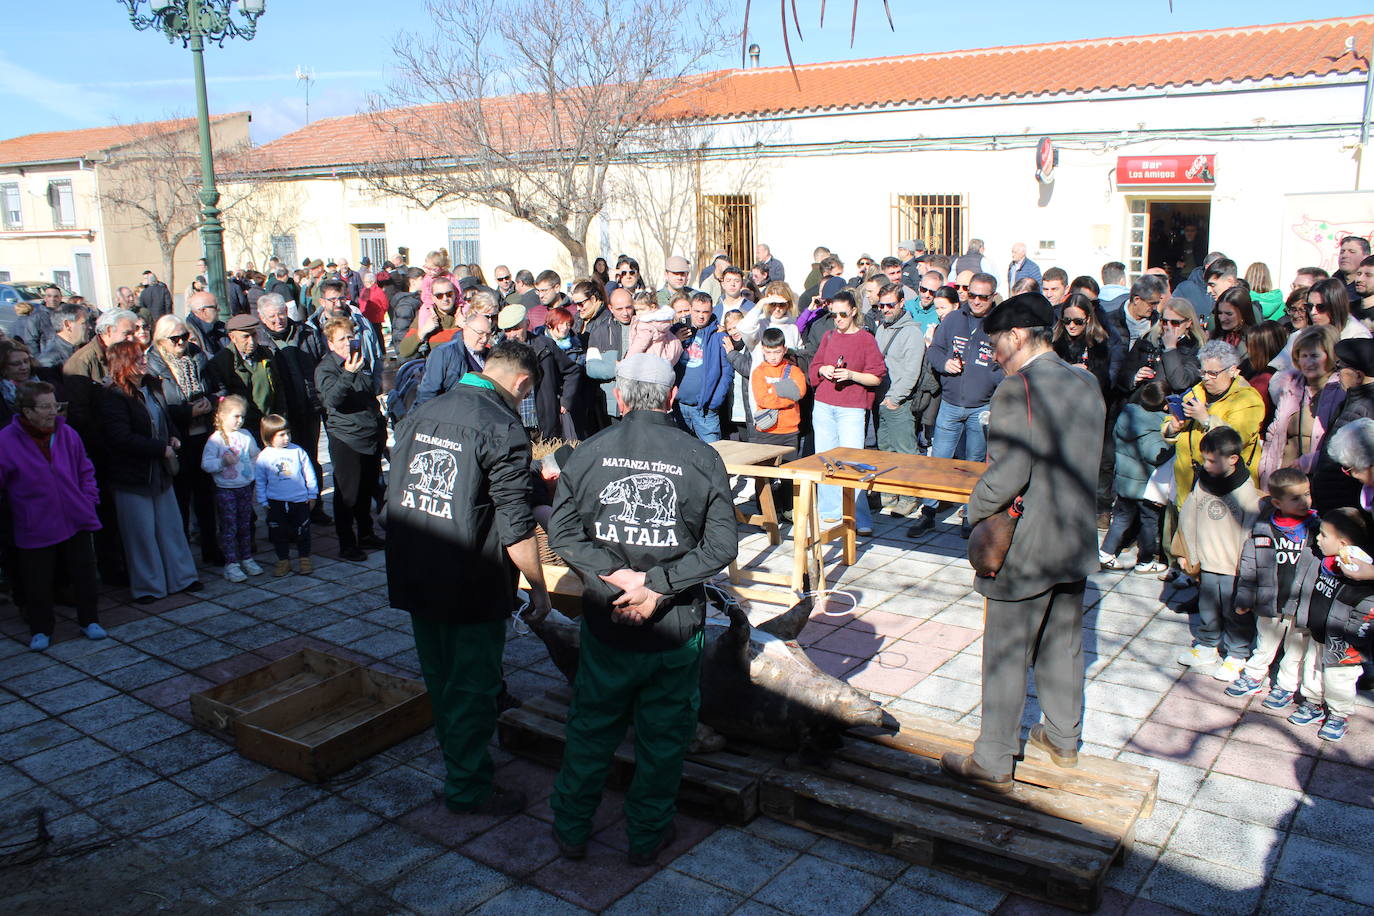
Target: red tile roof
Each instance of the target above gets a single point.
(1281, 51)
(70, 145)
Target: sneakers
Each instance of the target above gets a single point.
(1243, 686)
(281, 568)
(1106, 560)
(1199, 656)
(864, 532)
(1333, 729)
(1278, 698)
(1230, 669)
(234, 573)
(1307, 713)
(94, 631)
(306, 565)
(251, 567)
(39, 642)
(1149, 568)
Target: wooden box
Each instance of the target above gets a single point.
(324, 729)
(218, 707)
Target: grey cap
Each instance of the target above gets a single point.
(645, 367)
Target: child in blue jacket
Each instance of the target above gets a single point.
(1140, 450)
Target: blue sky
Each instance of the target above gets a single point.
(60, 74)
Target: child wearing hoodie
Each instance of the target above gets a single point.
(1278, 566)
(650, 332)
(1341, 620)
(1215, 519)
(1140, 450)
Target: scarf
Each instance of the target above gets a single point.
(186, 374)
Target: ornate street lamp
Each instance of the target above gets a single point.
(194, 21)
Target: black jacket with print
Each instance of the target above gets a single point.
(646, 496)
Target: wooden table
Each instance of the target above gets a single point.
(944, 479)
(755, 460)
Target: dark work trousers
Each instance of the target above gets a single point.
(782, 489)
(355, 480)
(1044, 632)
(1124, 517)
(305, 432)
(74, 560)
(1106, 470)
(1217, 623)
(287, 524)
(195, 490)
(109, 547)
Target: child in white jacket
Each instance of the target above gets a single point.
(228, 458)
(288, 488)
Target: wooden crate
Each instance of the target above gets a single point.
(324, 729)
(721, 786)
(217, 708)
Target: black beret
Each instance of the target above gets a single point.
(1028, 310)
(1357, 353)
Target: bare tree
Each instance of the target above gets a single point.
(524, 106)
(262, 211)
(153, 181)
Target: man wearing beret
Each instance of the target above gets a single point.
(1331, 486)
(643, 514)
(249, 369)
(1044, 445)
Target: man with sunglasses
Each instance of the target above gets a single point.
(505, 285)
(922, 307)
(902, 344)
(1136, 317)
(962, 355)
(442, 327)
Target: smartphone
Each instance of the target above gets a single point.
(1176, 407)
(355, 347)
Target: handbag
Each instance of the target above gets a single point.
(1159, 488)
(1178, 547)
(990, 539)
(766, 419)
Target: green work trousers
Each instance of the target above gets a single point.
(461, 663)
(661, 692)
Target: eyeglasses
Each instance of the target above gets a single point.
(865, 263)
(889, 305)
(981, 297)
(447, 295)
(544, 291)
(339, 298)
(961, 286)
(1214, 373)
(178, 338)
(1076, 322)
(1175, 322)
(502, 279)
(579, 302)
(927, 291)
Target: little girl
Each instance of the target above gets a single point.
(650, 332)
(288, 488)
(228, 457)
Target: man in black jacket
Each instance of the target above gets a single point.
(459, 522)
(155, 299)
(299, 347)
(643, 514)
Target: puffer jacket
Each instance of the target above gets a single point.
(1178, 368)
(1347, 629)
(1331, 486)
(50, 499)
(1285, 442)
(1140, 449)
(1257, 578)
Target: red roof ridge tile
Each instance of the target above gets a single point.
(62, 145)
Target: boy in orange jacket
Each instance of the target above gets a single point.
(778, 385)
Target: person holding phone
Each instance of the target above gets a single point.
(357, 434)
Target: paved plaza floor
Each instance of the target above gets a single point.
(113, 802)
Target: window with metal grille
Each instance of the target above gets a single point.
(63, 278)
(725, 222)
(939, 220)
(284, 250)
(372, 245)
(62, 203)
(464, 242)
(1137, 236)
(14, 215)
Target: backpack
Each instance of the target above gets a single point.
(403, 391)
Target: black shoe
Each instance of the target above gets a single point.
(196, 586)
(372, 541)
(923, 521)
(965, 529)
(146, 599)
(574, 852)
(352, 554)
(647, 858)
(500, 803)
(319, 517)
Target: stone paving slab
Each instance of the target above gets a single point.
(1255, 815)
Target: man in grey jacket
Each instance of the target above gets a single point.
(904, 348)
(1044, 445)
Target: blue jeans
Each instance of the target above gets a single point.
(953, 422)
(702, 422)
(835, 427)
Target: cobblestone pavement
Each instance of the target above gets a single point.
(146, 813)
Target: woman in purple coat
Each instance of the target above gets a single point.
(50, 486)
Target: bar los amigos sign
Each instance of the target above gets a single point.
(1176, 170)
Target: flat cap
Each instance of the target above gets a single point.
(242, 323)
(1028, 310)
(1357, 353)
(510, 317)
(909, 244)
(645, 367)
(677, 264)
(316, 263)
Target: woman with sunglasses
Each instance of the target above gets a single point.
(1328, 303)
(187, 387)
(1081, 340)
(627, 276)
(1167, 351)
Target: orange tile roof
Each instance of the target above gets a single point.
(1282, 51)
(69, 145)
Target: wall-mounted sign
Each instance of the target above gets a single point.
(1046, 158)
(1184, 170)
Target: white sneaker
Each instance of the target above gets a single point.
(1153, 566)
(234, 573)
(251, 567)
(1229, 669)
(1106, 560)
(1200, 656)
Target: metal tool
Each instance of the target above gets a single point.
(854, 466)
(868, 477)
(830, 469)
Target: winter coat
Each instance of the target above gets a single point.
(557, 388)
(82, 375)
(299, 350)
(156, 300)
(1194, 289)
(1295, 435)
(707, 384)
(404, 308)
(1239, 408)
(961, 334)
(1257, 578)
(1178, 368)
(136, 445)
(256, 379)
(1140, 449)
(352, 414)
(178, 405)
(1347, 629)
(903, 348)
(1331, 486)
(210, 338)
(1097, 358)
(50, 499)
(1215, 525)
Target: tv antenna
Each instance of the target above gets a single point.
(306, 75)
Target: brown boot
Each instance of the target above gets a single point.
(283, 568)
(1061, 758)
(306, 566)
(962, 767)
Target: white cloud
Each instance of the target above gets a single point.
(80, 103)
(242, 78)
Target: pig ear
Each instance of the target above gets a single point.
(789, 624)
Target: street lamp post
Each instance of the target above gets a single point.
(193, 21)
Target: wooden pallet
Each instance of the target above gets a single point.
(1054, 837)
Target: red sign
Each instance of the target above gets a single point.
(1185, 170)
(1046, 158)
